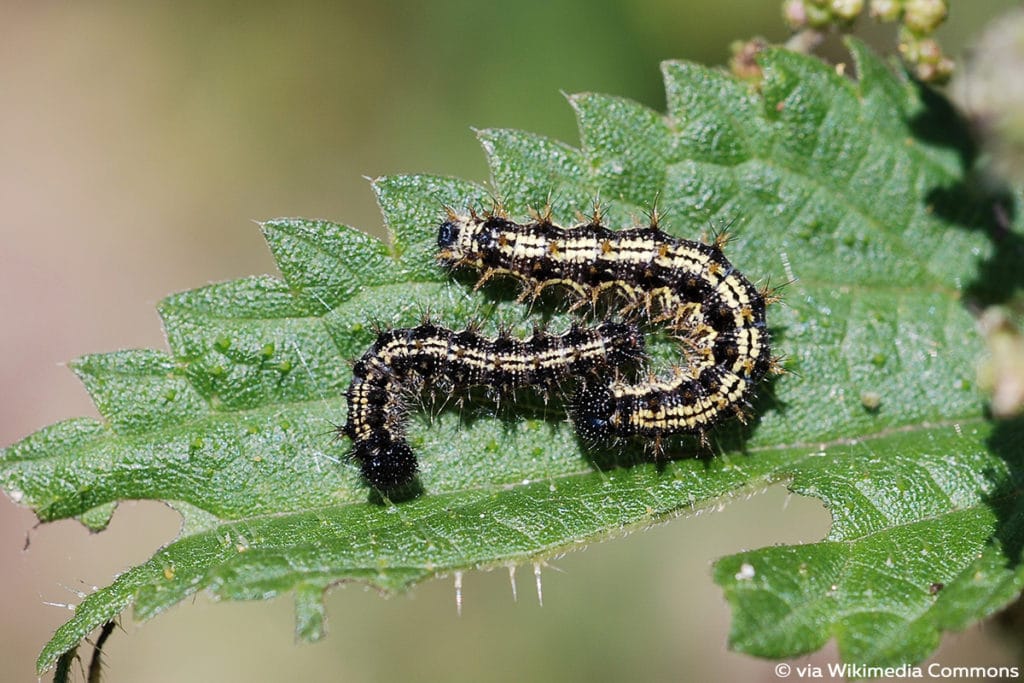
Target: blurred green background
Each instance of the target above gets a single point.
(138, 146)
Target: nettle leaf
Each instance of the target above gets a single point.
(856, 191)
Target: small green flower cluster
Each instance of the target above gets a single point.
(918, 20)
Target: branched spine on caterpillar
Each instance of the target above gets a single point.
(402, 360)
(689, 286)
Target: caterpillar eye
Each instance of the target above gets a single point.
(447, 234)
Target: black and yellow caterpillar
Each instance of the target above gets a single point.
(690, 287)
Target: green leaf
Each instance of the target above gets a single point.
(856, 191)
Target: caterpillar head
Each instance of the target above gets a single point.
(448, 233)
(592, 410)
(386, 465)
(472, 240)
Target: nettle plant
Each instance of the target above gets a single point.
(856, 190)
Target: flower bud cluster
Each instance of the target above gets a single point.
(918, 20)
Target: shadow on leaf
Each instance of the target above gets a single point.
(979, 202)
(1007, 441)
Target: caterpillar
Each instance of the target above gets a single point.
(710, 307)
(402, 360)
